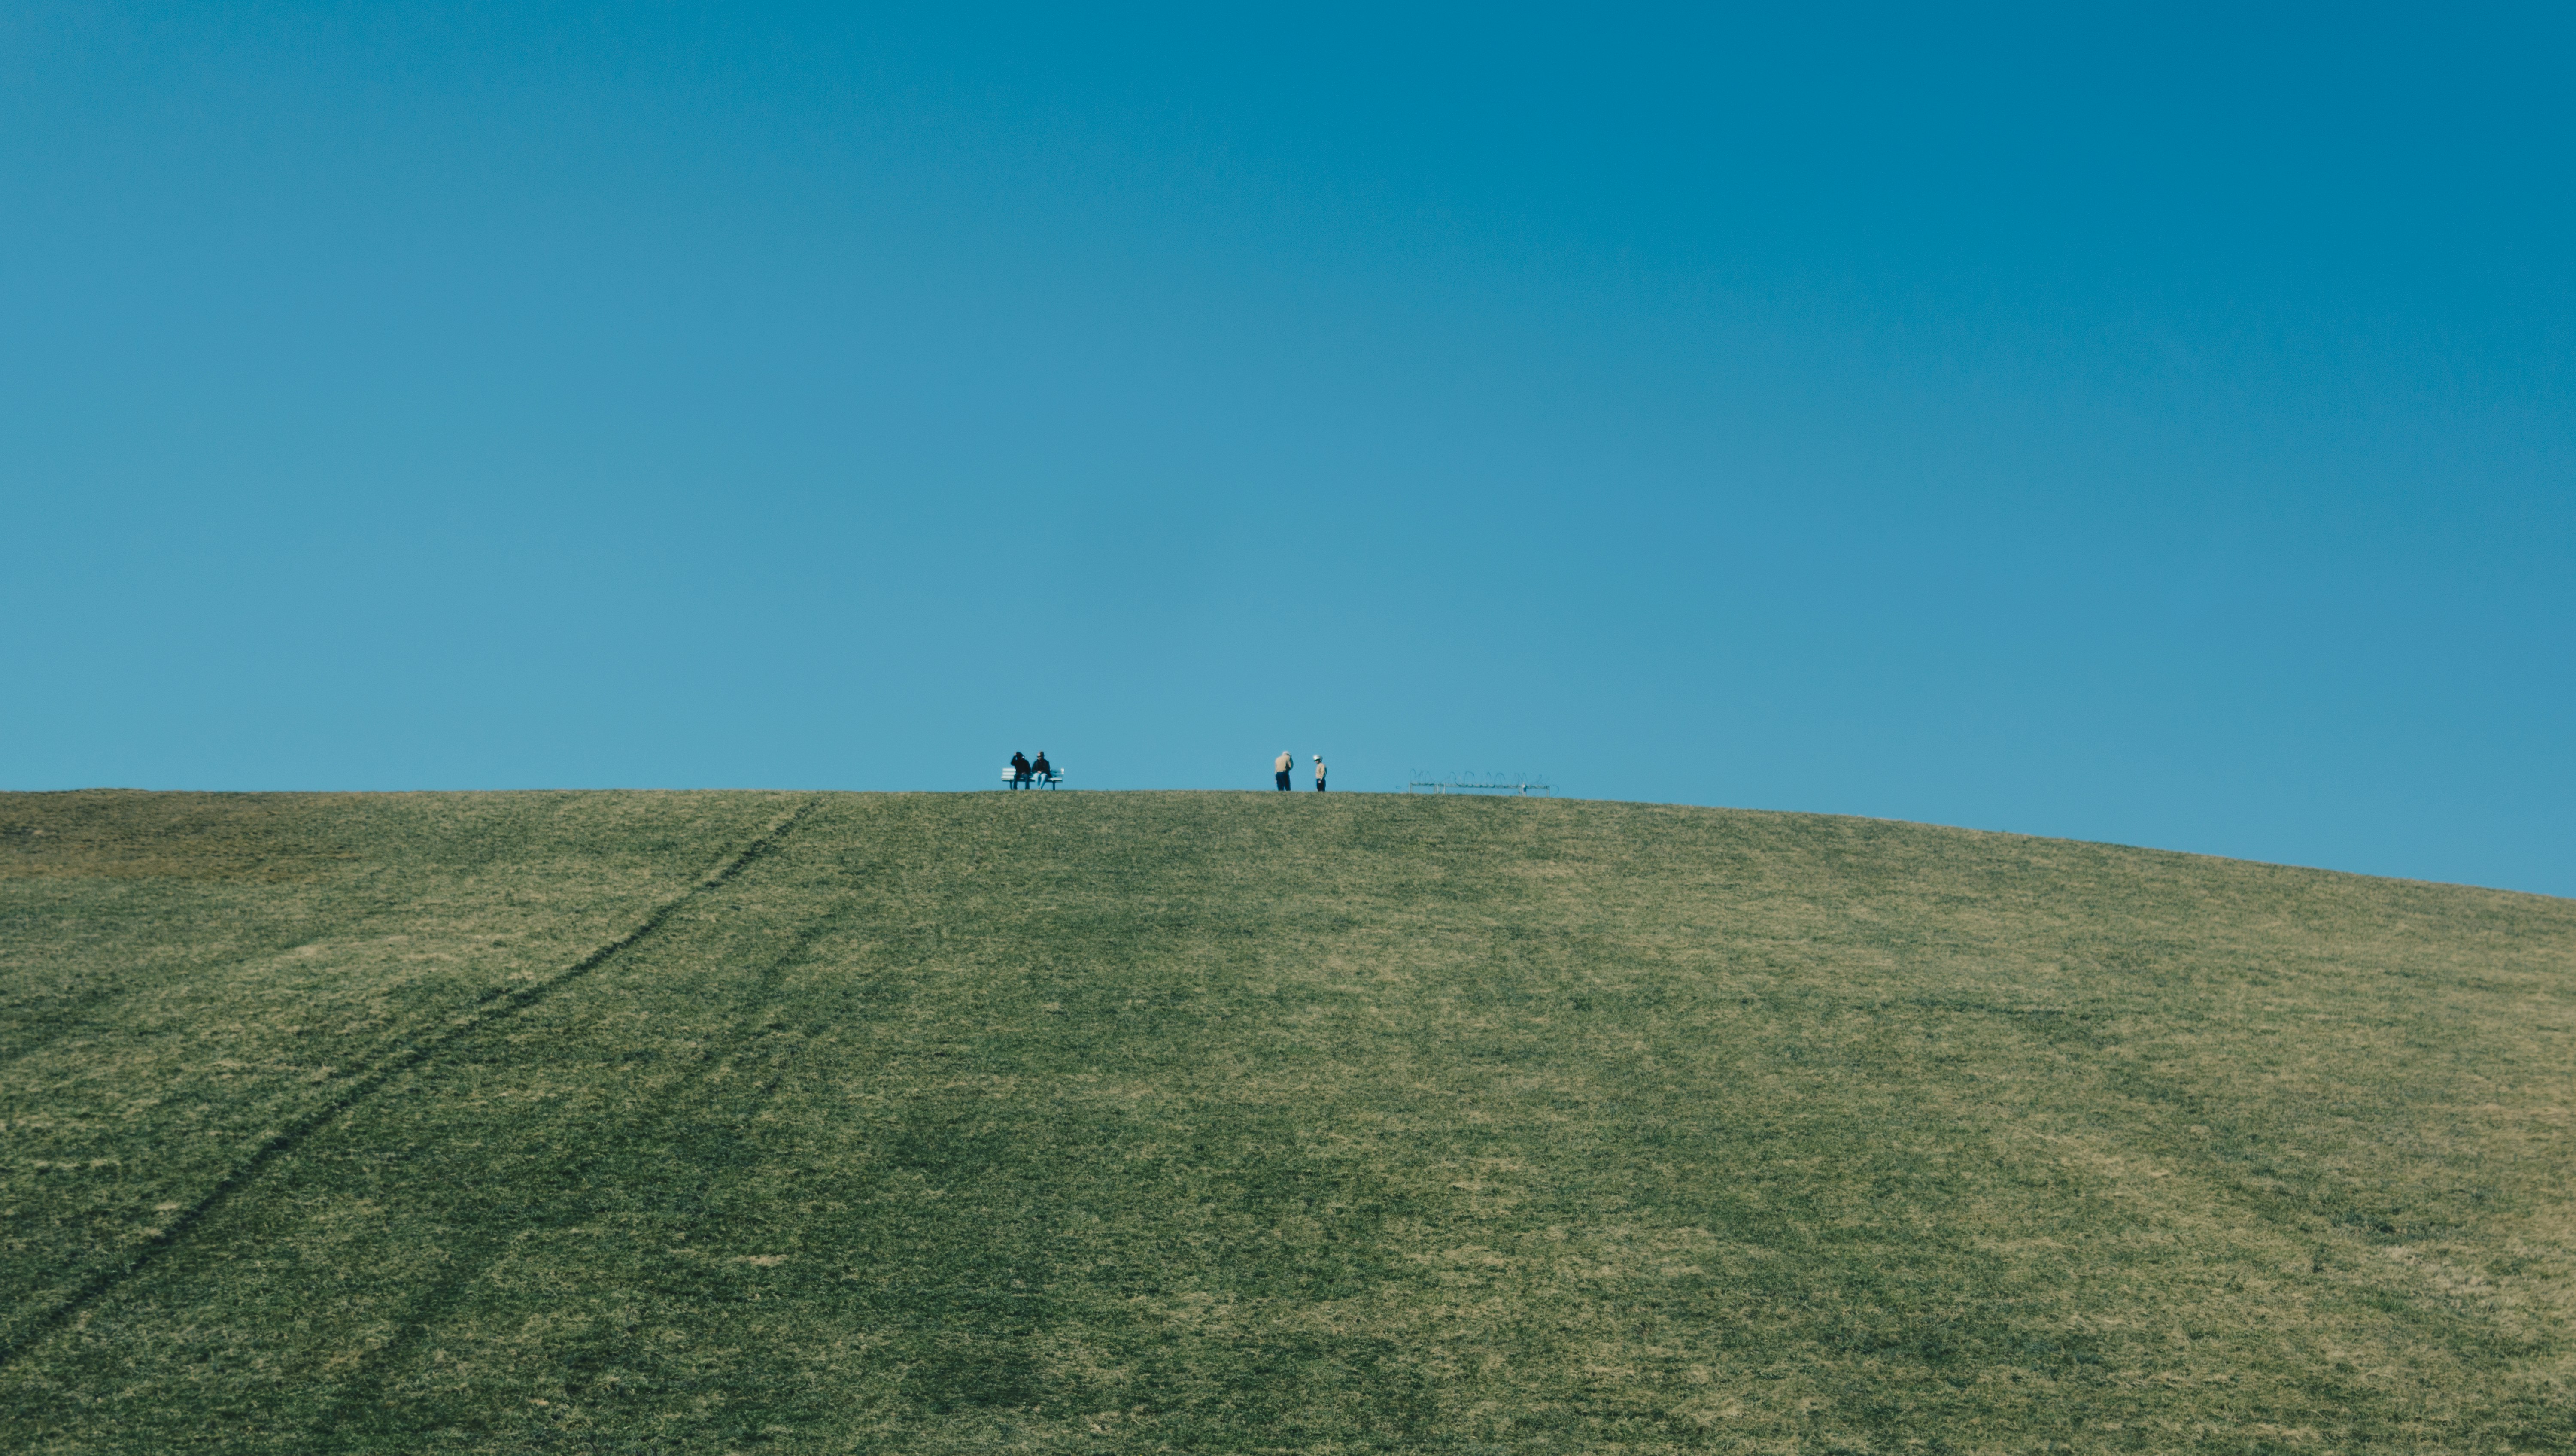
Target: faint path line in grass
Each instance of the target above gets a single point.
(66, 1019)
(491, 1006)
(365, 1392)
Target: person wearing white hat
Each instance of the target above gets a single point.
(1286, 762)
(1319, 773)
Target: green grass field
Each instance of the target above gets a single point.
(1254, 1122)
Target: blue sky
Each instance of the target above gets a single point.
(2148, 424)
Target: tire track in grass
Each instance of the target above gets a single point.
(490, 1007)
(355, 1415)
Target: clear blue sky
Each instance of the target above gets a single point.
(2143, 424)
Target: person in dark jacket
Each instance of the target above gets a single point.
(1040, 769)
(1019, 769)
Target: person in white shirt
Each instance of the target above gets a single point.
(1319, 773)
(1286, 762)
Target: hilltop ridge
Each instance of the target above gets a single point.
(1234, 1122)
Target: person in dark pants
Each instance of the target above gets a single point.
(1319, 773)
(1019, 769)
(1040, 769)
(1286, 762)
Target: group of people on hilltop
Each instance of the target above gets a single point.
(1025, 773)
(1288, 761)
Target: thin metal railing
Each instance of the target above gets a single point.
(1477, 783)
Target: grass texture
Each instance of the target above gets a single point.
(1212, 1122)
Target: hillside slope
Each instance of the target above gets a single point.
(1256, 1122)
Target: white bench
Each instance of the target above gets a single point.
(1012, 776)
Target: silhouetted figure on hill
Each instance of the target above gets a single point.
(1041, 768)
(1019, 769)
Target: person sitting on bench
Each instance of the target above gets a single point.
(1019, 769)
(1041, 768)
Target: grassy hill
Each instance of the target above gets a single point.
(1257, 1122)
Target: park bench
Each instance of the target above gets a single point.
(1048, 780)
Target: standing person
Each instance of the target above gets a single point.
(1019, 769)
(1319, 773)
(1040, 769)
(1286, 762)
